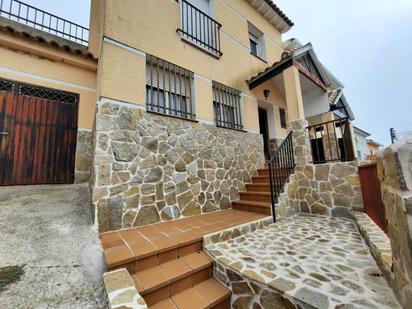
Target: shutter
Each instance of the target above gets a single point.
(178, 82)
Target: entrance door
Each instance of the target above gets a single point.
(38, 135)
(264, 130)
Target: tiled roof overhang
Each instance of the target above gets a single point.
(337, 95)
(26, 32)
(288, 59)
(273, 14)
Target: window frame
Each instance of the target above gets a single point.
(169, 89)
(227, 107)
(258, 37)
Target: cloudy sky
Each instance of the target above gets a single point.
(367, 44)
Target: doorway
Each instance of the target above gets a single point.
(264, 130)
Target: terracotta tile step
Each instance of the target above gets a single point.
(258, 207)
(256, 196)
(266, 179)
(170, 278)
(258, 187)
(206, 294)
(265, 171)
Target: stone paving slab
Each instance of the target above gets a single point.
(315, 260)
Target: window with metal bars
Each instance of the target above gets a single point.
(169, 89)
(226, 105)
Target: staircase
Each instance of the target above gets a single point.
(257, 197)
(270, 181)
(180, 278)
(166, 260)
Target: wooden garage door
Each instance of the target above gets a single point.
(38, 133)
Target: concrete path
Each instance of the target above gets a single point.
(47, 232)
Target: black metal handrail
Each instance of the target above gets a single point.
(42, 20)
(331, 141)
(200, 29)
(281, 166)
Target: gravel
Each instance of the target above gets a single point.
(48, 231)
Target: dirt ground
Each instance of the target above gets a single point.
(50, 255)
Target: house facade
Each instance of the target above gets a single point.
(189, 93)
(172, 114)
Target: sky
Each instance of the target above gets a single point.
(366, 44)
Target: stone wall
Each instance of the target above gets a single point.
(326, 189)
(395, 174)
(149, 168)
(83, 156)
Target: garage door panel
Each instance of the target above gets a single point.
(41, 144)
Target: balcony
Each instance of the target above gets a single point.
(199, 29)
(41, 20)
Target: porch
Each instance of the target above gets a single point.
(296, 88)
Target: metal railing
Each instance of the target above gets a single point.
(169, 89)
(41, 20)
(200, 29)
(281, 166)
(331, 141)
(226, 106)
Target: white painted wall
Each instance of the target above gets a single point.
(315, 99)
(361, 145)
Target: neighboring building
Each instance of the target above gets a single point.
(373, 148)
(361, 138)
(47, 98)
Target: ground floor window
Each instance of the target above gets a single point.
(227, 107)
(169, 89)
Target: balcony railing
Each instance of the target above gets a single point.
(331, 141)
(200, 29)
(41, 20)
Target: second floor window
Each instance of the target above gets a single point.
(256, 42)
(282, 114)
(198, 27)
(226, 106)
(169, 88)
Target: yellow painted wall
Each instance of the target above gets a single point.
(122, 75)
(150, 26)
(37, 64)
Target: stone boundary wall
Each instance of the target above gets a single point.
(395, 175)
(83, 156)
(149, 168)
(377, 240)
(327, 189)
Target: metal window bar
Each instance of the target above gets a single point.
(330, 140)
(169, 88)
(200, 28)
(42, 20)
(281, 166)
(226, 104)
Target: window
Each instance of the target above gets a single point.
(282, 115)
(198, 28)
(226, 105)
(168, 88)
(256, 42)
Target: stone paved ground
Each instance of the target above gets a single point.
(317, 260)
(47, 230)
